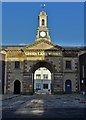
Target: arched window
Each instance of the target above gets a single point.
(42, 21)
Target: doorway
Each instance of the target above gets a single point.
(17, 87)
(68, 87)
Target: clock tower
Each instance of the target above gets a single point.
(42, 30)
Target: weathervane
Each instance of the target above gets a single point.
(43, 5)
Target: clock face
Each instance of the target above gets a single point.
(42, 33)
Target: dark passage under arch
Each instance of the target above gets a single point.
(17, 87)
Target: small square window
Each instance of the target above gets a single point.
(45, 76)
(17, 64)
(68, 64)
(38, 76)
(45, 86)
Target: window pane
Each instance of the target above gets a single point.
(38, 76)
(68, 64)
(45, 76)
(45, 86)
(17, 64)
(38, 86)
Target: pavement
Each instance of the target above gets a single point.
(44, 106)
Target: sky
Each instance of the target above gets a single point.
(65, 22)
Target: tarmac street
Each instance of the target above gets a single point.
(44, 106)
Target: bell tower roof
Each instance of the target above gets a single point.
(42, 13)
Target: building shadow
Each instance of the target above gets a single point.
(24, 111)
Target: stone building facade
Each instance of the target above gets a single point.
(21, 62)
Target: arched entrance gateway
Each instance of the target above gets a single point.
(42, 77)
(53, 85)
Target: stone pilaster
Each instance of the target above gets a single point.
(58, 83)
(28, 83)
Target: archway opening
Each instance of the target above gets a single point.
(17, 87)
(42, 80)
(68, 87)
